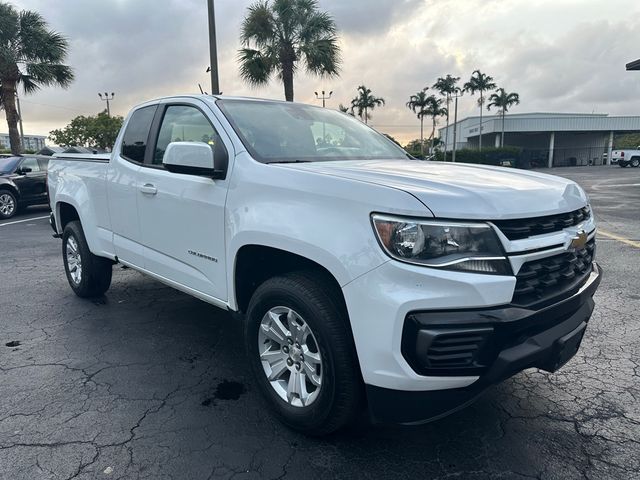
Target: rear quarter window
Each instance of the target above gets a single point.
(136, 135)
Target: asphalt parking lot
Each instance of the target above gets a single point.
(150, 383)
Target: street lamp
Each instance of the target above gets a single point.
(323, 97)
(458, 94)
(107, 98)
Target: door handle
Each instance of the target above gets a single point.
(148, 189)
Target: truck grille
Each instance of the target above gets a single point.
(528, 227)
(541, 280)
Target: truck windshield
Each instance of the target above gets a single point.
(8, 165)
(292, 132)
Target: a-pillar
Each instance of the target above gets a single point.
(610, 148)
(552, 141)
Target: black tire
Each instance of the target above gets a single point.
(635, 162)
(95, 272)
(315, 298)
(8, 204)
(622, 164)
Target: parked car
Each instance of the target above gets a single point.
(361, 275)
(23, 182)
(627, 157)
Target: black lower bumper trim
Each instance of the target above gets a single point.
(548, 349)
(52, 223)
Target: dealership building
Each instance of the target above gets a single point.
(546, 139)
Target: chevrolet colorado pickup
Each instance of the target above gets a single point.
(362, 276)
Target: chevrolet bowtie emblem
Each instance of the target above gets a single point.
(579, 241)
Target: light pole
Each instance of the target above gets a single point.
(107, 99)
(458, 94)
(323, 97)
(213, 50)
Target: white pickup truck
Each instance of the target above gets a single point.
(627, 157)
(363, 277)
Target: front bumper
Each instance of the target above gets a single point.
(515, 339)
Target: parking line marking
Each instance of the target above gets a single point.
(618, 238)
(21, 221)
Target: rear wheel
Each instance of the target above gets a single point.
(301, 353)
(8, 204)
(88, 274)
(635, 162)
(622, 164)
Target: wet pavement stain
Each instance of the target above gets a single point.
(13, 343)
(226, 390)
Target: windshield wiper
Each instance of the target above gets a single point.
(290, 161)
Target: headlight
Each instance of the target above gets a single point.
(470, 247)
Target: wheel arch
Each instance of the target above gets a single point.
(11, 188)
(255, 263)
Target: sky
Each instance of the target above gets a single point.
(559, 55)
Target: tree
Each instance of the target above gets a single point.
(344, 109)
(392, 139)
(31, 55)
(446, 86)
(277, 36)
(417, 104)
(503, 100)
(93, 131)
(365, 102)
(479, 82)
(434, 109)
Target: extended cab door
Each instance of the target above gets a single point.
(182, 216)
(122, 185)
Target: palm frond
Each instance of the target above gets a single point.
(50, 74)
(29, 85)
(322, 57)
(255, 67)
(258, 26)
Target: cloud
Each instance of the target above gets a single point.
(559, 56)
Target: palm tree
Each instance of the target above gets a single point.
(277, 36)
(446, 86)
(31, 55)
(434, 109)
(479, 82)
(365, 102)
(503, 100)
(417, 104)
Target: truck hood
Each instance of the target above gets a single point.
(462, 191)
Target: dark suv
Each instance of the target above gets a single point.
(23, 182)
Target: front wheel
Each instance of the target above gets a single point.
(301, 352)
(88, 274)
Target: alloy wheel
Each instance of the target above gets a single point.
(74, 260)
(7, 204)
(290, 356)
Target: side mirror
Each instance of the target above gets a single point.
(23, 170)
(196, 158)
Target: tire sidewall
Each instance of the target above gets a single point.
(73, 230)
(320, 409)
(15, 205)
